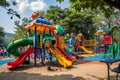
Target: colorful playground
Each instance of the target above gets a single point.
(50, 53)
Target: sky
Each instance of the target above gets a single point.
(25, 8)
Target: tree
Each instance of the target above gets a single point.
(20, 31)
(116, 17)
(80, 21)
(54, 14)
(72, 20)
(106, 23)
(2, 34)
(8, 38)
(105, 6)
(114, 3)
(6, 5)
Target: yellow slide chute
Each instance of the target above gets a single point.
(61, 59)
(84, 49)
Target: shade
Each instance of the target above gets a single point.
(40, 27)
(40, 24)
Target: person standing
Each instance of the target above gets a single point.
(4, 49)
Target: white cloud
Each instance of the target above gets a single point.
(19, 1)
(37, 5)
(34, 6)
(8, 0)
(22, 5)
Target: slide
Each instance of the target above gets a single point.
(20, 59)
(84, 49)
(61, 59)
(72, 54)
(12, 47)
(64, 54)
(61, 50)
(70, 49)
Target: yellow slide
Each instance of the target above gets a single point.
(61, 59)
(84, 49)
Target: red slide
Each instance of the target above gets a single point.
(65, 54)
(20, 59)
(74, 55)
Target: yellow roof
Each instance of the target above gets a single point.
(40, 27)
(100, 33)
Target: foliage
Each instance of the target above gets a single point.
(80, 21)
(115, 17)
(6, 5)
(8, 38)
(106, 23)
(73, 20)
(115, 3)
(20, 31)
(101, 5)
(2, 34)
(42, 13)
(54, 13)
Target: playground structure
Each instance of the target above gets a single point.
(99, 41)
(112, 42)
(82, 47)
(76, 44)
(109, 42)
(48, 37)
(44, 33)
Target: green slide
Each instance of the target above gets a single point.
(12, 47)
(71, 49)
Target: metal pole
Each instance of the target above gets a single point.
(108, 67)
(35, 33)
(118, 42)
(97, 48)
(28, 37)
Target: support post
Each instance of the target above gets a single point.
(108, 67)
(35, 46)
(29, 33)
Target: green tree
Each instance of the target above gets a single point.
(20, 31)
(54, 13)
(80, 21)
(2, 34)
(105, 6)
(94, 3)
(6, 5)
(73, 20)
(8, 38)
(116, 17)
(115, 3)
(106, 23)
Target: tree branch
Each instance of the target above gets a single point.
(115, 3)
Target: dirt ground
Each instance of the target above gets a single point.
(81, 70)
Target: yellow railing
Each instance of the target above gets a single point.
(89, 43)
